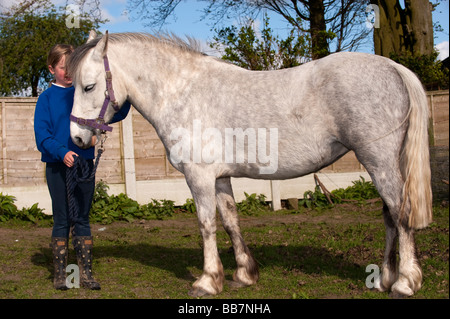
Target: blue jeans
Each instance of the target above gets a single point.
(84, 192)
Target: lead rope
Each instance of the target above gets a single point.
(79, 173)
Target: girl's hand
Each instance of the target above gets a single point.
(93, 140)
(68, 158)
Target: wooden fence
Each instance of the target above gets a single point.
(20, 160)
(134, 152)
(439, 108)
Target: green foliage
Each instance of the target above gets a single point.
(7, 207)
(359, 192)
(429, 70)
(9, 211)
(108, 208)
(320, 46)
(160, 209)
(247, 49)
(189, 206)
(314, 199)
(32, 214)
(105, 208)
(252, 204)
(26, 35)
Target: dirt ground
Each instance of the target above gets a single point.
(43, 234)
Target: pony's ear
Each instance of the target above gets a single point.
(92, 36)
(101, 47)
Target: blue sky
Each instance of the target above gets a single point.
(188, 22)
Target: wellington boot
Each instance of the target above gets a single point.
(83, 248)
(60, 252)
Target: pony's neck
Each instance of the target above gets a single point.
(155, 74)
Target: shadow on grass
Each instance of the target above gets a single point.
(305, 259)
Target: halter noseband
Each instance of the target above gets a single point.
(99, 122)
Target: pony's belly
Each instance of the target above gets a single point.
(267, 172)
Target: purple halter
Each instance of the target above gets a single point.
(99, 122)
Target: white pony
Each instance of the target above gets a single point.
(217, 121)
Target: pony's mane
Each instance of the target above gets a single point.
(167, 39)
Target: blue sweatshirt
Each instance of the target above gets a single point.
(52, 124)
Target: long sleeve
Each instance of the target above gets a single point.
(52, 125)
(43, 130)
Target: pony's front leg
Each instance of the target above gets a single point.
(203, 191)
(247, 269)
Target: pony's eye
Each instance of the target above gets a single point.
(89, 87)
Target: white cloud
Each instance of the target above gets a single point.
(442, 48)
(5, 5)
(8, 3)
(113, 19)
(205, 48)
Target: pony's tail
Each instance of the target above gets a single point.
(415, 155)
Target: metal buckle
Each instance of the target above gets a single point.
(81, 121)
(115, 106)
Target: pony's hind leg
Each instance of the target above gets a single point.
(410, 273)
(202, 186)
(407, 279)
(247, 269)
(389, 273)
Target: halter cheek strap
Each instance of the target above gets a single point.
(99, 122)
(110, 97)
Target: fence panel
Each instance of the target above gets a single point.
(20, 163)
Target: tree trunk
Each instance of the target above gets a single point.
(421, 21)
(34, 85)
(408, 30)
(318, 29)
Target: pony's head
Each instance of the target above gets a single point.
(87, 69)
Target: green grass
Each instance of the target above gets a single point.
(307, 255)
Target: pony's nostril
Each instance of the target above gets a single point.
(78, 141)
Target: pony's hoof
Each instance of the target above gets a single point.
(198, 292)
(207, 286)
(397, 295)
(236, 284)
(401, 290)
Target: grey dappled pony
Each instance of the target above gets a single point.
(217, 121)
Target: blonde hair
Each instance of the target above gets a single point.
(57, 52)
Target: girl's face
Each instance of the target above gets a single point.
(59, 72)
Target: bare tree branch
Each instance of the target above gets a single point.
(344, 18)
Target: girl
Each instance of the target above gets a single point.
(52, 132)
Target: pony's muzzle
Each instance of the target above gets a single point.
(85, 139)
(78, 141)
(84, 143)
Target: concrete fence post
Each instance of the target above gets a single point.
(128, 156)
(275, 189)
